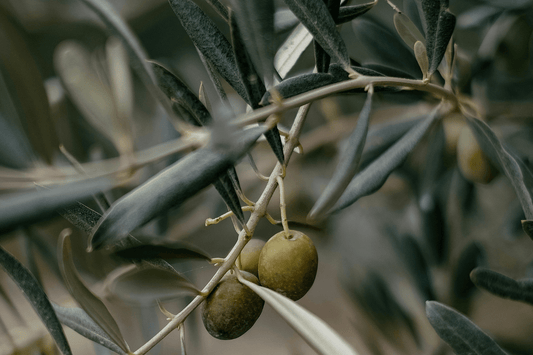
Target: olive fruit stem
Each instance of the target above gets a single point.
(229, 261)
(211, 221)
(283, 206)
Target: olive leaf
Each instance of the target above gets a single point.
(459, 332)
(255, 19)
(417, 265)
(168, 251)
(407, 30)
(375, 175)
(144, 284)
(29, 207)
(37, 298)
(209, 41)
(348, 163)
(173, 185)
(503, 286)
(45, 249)
(322, 59)
(439, 26)
(472, 256)
(312, 329)
(217, 84)
(351, 12)
(138, 58)
(495, 150)
(253, 84)
(78, 320)
(85, 298)
(300, 84)
(315, 16)
(421, 56)
(220, 8)
(15, 149)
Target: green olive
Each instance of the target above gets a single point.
(232, 308)
(288, 264)
(250, 255)
(473, 163)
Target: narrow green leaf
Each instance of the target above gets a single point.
(179, 93)
(172, 186)
(78, 320)
(32, 206)
(472, 256)
(138, 58)
(351, 12)
(503, 286)
(37, 298)
(300, 84)
(167, 251)
(145, 284)
(348, 163)
(312, 329)
(417, 265)
(459, 332)
(407, 30)
(255, 19)
(226, 190)
(375, 175)
(220, 8)
(322, 59)
(86, 299)
(209, 41)
(421, 56)
(315, 16)
(494, 149)
(291, 49)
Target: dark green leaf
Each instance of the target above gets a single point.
(209, 41)
(384, 46)
(220, 8)
(417, 265)
(179, 93)
(312, 329)
(226, 189)
(172, 186)
(348, 163)
(322, 59)
(459, 332)
(79, 321)
(436, 48)
(168, 251)
(503, 286)
(138, 57)
(32, 206)
(375, 175)
(315, 16)
(349, 13)
(472, 256)
(146, 284)
(494, 149)
(15, 149)
(37, 298)
(211, 71)
(255, 19)
(90, 303)
(300, 84)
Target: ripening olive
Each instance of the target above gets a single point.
(288, 264)
(473, 163)
(250, 255)
(232, 308)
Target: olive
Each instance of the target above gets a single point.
(288, 264)
(473, 163)
(232, 308)
(250, 255)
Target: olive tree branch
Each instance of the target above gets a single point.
(257, 214)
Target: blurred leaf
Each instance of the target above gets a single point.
(37, 298)
(472, 256)
(28, 207)
(417, 265)
(26, 95)
(375, 175)
(149, 318)
(79, 321)
(477, 16)
(322, 59)
(220, 8)
(172, 186)
(348, 163)
(255, 19)
(509, 4)
(45, 248)
(209, 41)
(440, 24)
(138, 58)
(90, 303)
(168, 251)
(384, 46)
(320, 336)
(316, 18)
(412, 9)
(503, 286)
(459, 332)
(146, 284)
(15, 150)
(30, 258)
(291, 50)
(494, 149)
(407, 30)
(388, 71)
(179, 93)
